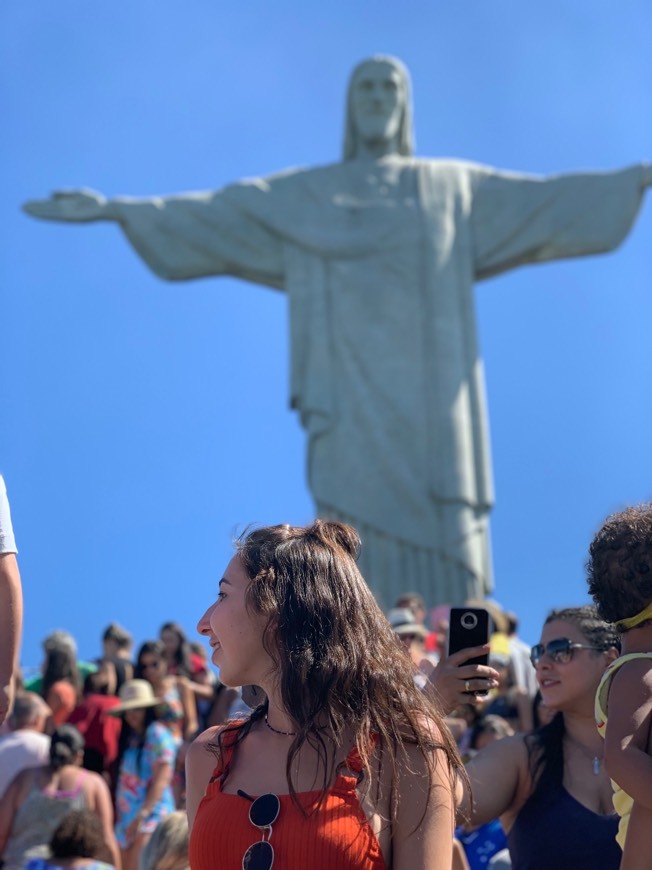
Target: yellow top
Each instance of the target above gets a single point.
(633, 621)
(621, 800)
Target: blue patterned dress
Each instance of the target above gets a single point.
(134, 780)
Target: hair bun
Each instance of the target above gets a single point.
(339, 535)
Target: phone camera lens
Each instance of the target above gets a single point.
(469, 620)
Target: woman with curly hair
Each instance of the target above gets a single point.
(77, 844)
(550, 788)
(620, 581)
(346, 764)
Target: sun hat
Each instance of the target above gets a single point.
(495, 611)
(134, 695)
(402, 621)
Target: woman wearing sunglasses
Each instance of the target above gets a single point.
(345, 764)
(549, 787)
(177, 702)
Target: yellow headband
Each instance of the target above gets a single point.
(633, 621)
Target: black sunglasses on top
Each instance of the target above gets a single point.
(263, 812)
(560, 650)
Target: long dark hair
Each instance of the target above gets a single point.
(339, 663)
(181, 663)
(151, 648)
(60, 664)
(130, 738)
(545, 746)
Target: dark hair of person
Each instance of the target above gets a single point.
(65, 745)
(512, 622)
(60, 664)
(545, 745)
(80, 835)
(96, 683)
(537, 701)
(489, 724)
(619, 570)
(130, 738)
(149, 648)
(119, 635)
(181, 660)
(339, 663)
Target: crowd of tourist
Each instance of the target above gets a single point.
(108, 735)
(320, 732)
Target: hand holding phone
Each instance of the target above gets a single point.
(469, 627)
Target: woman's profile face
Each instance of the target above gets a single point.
(570, 685)
(236, 635)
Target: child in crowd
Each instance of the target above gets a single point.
(620, 581)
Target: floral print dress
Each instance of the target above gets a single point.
(135, 777)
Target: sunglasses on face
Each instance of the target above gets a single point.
(560, 650)
(263, 812)
(145, 666)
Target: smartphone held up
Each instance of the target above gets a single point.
(469, 627)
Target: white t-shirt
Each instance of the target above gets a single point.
(19, 750)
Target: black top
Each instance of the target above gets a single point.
(553, 830)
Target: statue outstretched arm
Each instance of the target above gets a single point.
(647, 175)
(180, 237)
(519, 219)
(77, 206)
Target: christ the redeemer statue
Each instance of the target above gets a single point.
(378, 255)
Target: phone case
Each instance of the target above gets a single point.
(468, 626)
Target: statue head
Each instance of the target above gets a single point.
(379, 107)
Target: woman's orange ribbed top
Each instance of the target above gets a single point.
(338, 836)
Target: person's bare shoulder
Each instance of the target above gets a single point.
(202, 758)
(205, 742)
(500, 781)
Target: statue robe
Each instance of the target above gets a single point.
(378, 260)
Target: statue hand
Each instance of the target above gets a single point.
(69, 205)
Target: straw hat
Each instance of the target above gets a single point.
(495, 611)
(134, 695)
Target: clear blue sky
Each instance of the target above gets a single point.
(142, 423)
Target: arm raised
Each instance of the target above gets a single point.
(500, 782)
(452, 678)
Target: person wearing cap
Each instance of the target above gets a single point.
(412, 635)
(146, 758)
